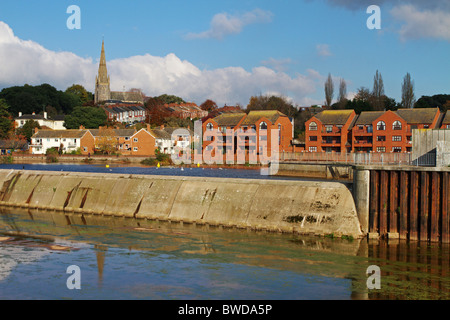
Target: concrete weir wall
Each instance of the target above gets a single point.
(303, 207)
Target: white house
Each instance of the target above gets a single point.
(64, 140)
(167, 138)
(44, 121)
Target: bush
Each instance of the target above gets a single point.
(52, 154)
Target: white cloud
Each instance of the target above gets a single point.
(323, 50)
(224, 24)
(277, 64)
(422, 23)
(28, 62)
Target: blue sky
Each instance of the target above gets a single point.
(228, 50)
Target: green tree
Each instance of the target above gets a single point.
(89, 117)
(80, 92)
(6, 121)
(167, 98)
(271, 103)
(27, 129)
(28, 99)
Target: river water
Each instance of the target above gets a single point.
(121, 258)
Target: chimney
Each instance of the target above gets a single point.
(36, 130)
(20, 114)
(148, 127)
(81, 127)
(162, 127)
(34, 113)
(45, 114)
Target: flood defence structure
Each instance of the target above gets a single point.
(303, 207)
(406, 203)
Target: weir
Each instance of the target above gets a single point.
(303, 207)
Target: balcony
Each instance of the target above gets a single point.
(331, 132)
(363, 143)
(362, 132)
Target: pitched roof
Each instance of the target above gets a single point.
(127, 96)
(14, 144)
(73, 133)
(337, 117)
(229, 119)
(161, 134)
(446, 119)
(367, 117)
(170, 130)
(419, 115)
(117, 132)
(254, 116)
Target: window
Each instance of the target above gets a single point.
(312, 149)
(313, 138)
(329, 129)
(396, 149)
(85, 149)
(56, 140)
(381, 149)
(135, 149)
(313, 126)
(263, 126)
(426, 126)
(381, 138)
(369, 129)
(397, 125)
(396, 138)
(209, 127)
(135, 139)
(448, 126)
(381, 125)
(127, 138)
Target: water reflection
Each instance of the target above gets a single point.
(151, 259)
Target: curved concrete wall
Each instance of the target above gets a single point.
(286, 206)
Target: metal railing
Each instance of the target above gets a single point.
(372, 158)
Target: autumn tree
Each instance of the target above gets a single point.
(208, 105)
(107, 140)
(329, 91)
(156, 110)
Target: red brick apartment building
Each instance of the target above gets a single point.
(371, 131)
(329, 131)
(249, 135)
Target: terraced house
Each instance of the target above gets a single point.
(329, 131)
(371, 131)
(241, 136)
(64, 141)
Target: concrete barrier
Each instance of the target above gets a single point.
(315, 170)
(303, 207)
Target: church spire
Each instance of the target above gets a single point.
(102, 70)
(102, 89)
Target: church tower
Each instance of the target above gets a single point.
(102, 83)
